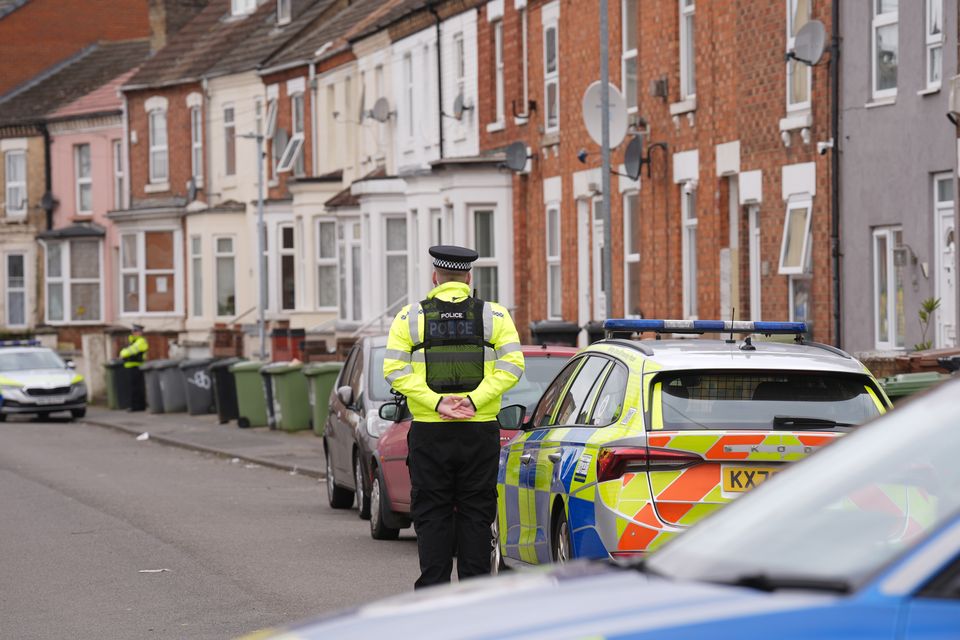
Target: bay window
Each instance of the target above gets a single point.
(16, 298)
(395, 234)
(326, 264)
(196, 275)
(73, 281)
(288, 273)
(225, 259)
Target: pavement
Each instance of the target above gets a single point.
(297, 452)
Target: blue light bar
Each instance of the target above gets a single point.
(628, 325)
(19, 343)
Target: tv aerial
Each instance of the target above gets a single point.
(517, 157)
(593, 114)
(809, 43)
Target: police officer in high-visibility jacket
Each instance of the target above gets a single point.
(453, 356)
(134, 355)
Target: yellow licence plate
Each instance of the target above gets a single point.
(740, 479)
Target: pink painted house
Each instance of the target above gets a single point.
(89, 178)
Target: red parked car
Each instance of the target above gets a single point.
(390, 487)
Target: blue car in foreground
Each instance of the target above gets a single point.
(861, 540)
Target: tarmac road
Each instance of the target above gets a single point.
(85, 511)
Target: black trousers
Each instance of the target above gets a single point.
(453, 477)
(138, 396)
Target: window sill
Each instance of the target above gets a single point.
(520, 121)
(684, 106)
(493, 127)
(156, 187)
(550, 139)
(799, 120)
(929, 91)
(15, 218)
(880, 102)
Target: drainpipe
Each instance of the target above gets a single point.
(48, 202)
(835, 169)
(436, 16)
(314, 96)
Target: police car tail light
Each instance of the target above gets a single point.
(614, 462)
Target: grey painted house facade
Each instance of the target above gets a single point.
(898, 160)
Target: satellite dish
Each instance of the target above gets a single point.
(809, 44)
(517, 157)
(633, 158)
(593, 116)
(459, 106)
(191, 190)
(381, 110)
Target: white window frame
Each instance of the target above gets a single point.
(217, 256)
(551, 20)
(629, 55)
(196, 145)
(242, 7)
(284, 12)
(688, 216)
(795, 64)
(554, 268)
(880, 20)
(291, 160)
(498, 79)
(890, 344)
(119, 179)
(196, 276)
(157, 150)
(629, 257)
(66, 281)
(688, 67)
(229, 139)
(934, 42)
(141, 272)
(800, 202)
(83, 181)
(326, 262)
(10, 289)
(13, 187)
(491, 260)
(286, 251)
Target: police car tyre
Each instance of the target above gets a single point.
(560, 548)
(338, 497)
(76, 414)
(497, 565)
(43, 415)
(378, 530)
(3, 417)
(360, 489)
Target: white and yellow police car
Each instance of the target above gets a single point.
(636, 440)
(34, 380)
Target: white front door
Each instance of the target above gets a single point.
(599, 295)
(946, 280)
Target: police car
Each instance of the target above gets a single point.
(636, 440)
(36, 381)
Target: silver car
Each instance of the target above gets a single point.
(36, 381)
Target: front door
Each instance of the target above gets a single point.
(946, 279)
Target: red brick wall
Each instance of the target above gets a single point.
(285, 121)
(178, 140)
(741, 88)
(41, 33)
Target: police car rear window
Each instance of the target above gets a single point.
(761, 400)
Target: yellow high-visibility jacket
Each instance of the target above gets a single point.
(406, 370)
(134, 354)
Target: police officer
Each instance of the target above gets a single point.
(134, 355)
(453, 356)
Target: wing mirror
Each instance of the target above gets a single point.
(511, 418)
(70, 364)
(390, 411)
(345, 393)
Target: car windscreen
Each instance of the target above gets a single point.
(840, 515)
(379, 389)
(30, 360)
(760, 400)
(538, 373)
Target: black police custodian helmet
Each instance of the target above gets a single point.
(453, 258)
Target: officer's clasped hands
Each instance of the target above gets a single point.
(456, 408)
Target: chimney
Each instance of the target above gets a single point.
(168, 16)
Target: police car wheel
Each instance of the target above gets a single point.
(497, 564)
(76, 414)
(360, 490)
(3, 417)
(378, 530)
(560, 543)
(338, 497)
(43, 416)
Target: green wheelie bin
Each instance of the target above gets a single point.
(251, 399)
(291, 407)
(903, 385)
(321, 376)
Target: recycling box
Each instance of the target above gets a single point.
(198, 386)
(321, 377)
(288, 395)
(251, 398)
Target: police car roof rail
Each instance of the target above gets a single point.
(633, 344)
(641, 325)
(19, 343)
(830, 348)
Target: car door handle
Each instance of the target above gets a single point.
(525, 458)
(554, 457)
